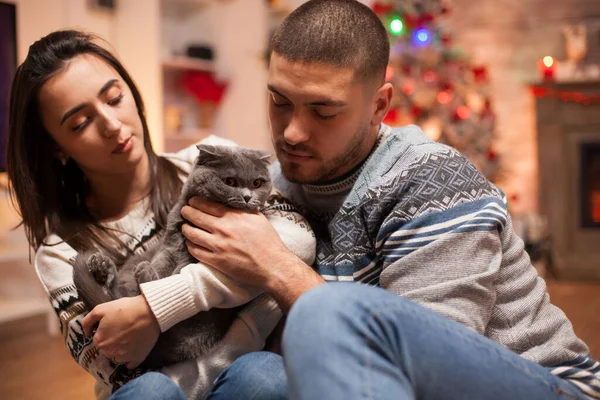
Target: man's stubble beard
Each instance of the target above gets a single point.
(338, 166)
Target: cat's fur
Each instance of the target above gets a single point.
(99, 280)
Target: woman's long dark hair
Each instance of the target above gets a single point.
(50, 196)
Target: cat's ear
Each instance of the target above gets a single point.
(208, 154)
(264, 156)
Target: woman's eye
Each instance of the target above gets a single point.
(257, 183)
(116, 100)
(230, 181)
(81, 126)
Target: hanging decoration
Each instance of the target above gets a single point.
(566, 95)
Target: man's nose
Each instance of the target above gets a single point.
(295, 132)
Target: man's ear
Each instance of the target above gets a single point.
(382, 99)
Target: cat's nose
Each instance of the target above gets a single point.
(247, 198)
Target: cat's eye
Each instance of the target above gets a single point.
(257, 183)
(230, 181)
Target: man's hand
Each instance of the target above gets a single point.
(246, 247)
(127, 330)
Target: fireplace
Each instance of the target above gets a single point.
(568, 136)
(590, 185)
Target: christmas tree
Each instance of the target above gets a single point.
(436, 86)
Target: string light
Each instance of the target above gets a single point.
(421, 36)
(396, 26)
(389, 73)
(463, 112)
(444, 97)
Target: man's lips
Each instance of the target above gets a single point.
(299, 154)
(123, 147)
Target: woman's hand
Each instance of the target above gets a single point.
(127, 330)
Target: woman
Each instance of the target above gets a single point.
(84, 175)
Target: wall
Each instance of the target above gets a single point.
(510, 36)
(237, 31)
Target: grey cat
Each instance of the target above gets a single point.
(234, 176)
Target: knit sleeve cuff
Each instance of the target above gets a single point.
(170, 299)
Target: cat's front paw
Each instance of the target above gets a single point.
(102, 267)
(143, 272)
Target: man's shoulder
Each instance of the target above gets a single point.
(412, 172)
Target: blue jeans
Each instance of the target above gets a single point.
(349, 341)
(253, 376)
(150, 386)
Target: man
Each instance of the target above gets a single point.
(463, 314)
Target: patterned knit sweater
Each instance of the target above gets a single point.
(175, 298)
(419, 220)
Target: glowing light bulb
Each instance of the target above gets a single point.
(421, 37)
(548, 61)
(396, 26)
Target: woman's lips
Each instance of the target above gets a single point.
(124, 147)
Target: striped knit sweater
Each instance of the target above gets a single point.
(418, 219)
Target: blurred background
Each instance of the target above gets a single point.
(512, 84)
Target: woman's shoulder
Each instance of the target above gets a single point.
(54, 245)
(53, 262)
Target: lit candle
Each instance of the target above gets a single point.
(547, 66)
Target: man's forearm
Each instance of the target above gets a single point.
(291, 280)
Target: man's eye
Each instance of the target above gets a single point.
(325, 117)
(116, 100)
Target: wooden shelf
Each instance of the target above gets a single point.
(182, 63)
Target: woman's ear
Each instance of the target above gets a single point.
(381, 103)
(62, 157)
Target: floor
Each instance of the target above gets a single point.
(35, 366)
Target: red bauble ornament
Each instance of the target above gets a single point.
(446, 40)
(391, 117)
(480, 74)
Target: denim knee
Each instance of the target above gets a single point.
(258, 375)
(149, 386)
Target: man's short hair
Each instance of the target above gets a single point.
(341, 33)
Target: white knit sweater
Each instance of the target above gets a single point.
(175, 298)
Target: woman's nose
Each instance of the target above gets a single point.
(112, 124)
